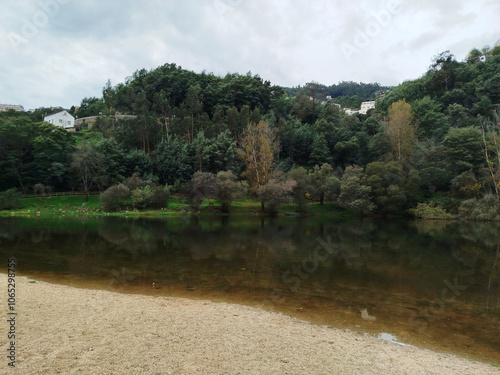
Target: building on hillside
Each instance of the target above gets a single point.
(484, 57)
(365, 106)
(90, 120)
(63, 119)
(7, 107)
(488, 54)
(329, 101)
(86, 121)
(350, 111)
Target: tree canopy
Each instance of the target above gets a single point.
(433, 140)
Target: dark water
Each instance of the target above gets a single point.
(430, 284)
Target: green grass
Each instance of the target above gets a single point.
(58, 207)
(86, 135)
(64, 203)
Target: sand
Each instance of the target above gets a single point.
(66, 330)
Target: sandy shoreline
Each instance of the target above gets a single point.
(66, 330)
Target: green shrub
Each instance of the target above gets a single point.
(135, 182)
(160, 197)
(39, 189)
(429, 211)
(112, 198)
(465, 185)
(10, 199)
(445, 201)
(278, 190)
(229, 189)
(142, 197)
(353, 194)
(201, 186)
(486, 208)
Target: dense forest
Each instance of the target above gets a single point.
(431, 146)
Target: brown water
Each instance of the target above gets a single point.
(430, 284)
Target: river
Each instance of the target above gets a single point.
(432, 284)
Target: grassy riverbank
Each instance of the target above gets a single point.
(79, 206)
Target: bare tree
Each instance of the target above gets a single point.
(90, 167)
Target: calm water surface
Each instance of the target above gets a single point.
(430, 284)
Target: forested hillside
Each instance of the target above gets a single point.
(347, 94)
(434, 140)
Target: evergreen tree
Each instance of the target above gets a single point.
(320, 153)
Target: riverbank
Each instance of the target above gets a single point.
(61, 329)
(75, 205)
(56, 206)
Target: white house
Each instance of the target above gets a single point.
(63, 119)
(350, 111)
(365, 106)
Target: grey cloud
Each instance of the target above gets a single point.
(286, 42)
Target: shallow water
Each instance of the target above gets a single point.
(429, 284)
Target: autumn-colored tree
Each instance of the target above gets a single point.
(259, 146)
(400, 129)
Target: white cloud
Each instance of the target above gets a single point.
(79, 45)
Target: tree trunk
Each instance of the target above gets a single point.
(488, 162)
(20, 181)
(192, 127)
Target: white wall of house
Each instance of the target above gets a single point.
(350, 111)
(63, 119)
(365, 106)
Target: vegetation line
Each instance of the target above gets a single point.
(429, 148)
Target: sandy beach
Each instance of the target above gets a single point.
(65, 330)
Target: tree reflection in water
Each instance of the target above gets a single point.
(393, 268)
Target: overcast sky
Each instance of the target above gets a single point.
(56, 52)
